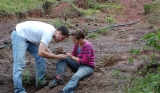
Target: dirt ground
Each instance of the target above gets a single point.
(112, 53)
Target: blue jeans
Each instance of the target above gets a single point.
(19, 48)
(81, 72)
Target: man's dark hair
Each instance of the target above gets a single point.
(64, 30)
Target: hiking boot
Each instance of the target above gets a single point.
(56, 81)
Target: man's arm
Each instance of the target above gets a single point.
(43, 51)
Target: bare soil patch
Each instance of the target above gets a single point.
(112, 51)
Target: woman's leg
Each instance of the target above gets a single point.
(83, 72)
(60, 70)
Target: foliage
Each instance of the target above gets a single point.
(103, 30)
(89, 12)
(41, 82)
(57, 23)
(110, 20)
(153, 40)
(147, 8)
(154, 13)
(26, 77)
(135, 51)
(93, 35)
(150, 83)
(115, 73)
(130, 60)
(12, 6)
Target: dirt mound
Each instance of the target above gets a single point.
(63, 10)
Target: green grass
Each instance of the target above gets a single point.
(154, 12)
(26, 77)
(12, 6)
(150, 83)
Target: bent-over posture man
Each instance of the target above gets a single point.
(34, 37)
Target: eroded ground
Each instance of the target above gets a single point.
(112, 54)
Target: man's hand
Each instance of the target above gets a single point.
(61, 56)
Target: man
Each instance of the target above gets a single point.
(34, 37)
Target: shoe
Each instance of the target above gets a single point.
(56, 81)
(61, 91)
(1, 82)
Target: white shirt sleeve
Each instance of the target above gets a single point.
(46, 38)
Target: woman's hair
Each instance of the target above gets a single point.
(79, 34)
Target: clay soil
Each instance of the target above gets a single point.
(112, 52)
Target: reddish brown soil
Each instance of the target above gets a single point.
(112, 51)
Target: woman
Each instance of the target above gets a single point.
(81, 62)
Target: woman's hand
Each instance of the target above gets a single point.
(69, 54)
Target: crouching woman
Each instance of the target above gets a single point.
(81, 62)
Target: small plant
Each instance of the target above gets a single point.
(153, 41)
(89, 12)
(130, 61)
(26, 77)
(93, 35)
(40, 81)
(115, 73)
(103, 31)
(147, 8)
(144, 58)
(135, 51)
(110, 20)
(115, 84)
(148, 84)
(57, 23)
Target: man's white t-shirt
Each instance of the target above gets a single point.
(35, 31)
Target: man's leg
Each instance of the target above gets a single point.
(40, 65)
(19, 46)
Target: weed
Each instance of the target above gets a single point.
(93, 35)
(110, 20)
(115, 84)
(89, 12)
(153, 41)
(103, 31)
(40, 81)
(130, 61)
(148, 84)
(154, 13)
(135, 51)
(26, 77)
(57, 23)
(147, 8)
(115, 73)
